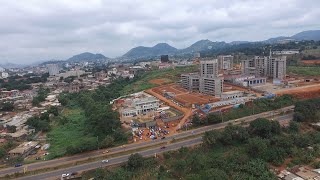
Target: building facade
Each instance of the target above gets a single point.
(53, 69)
(225, 62)
(272, 67)
(207, 82)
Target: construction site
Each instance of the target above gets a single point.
(218, 87)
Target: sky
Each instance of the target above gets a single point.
(37, 30)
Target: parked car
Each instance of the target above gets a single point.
(163, 137)
(105, 161)
(163, 147)
(17, 165)
(38, 158)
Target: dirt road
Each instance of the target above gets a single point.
(186, 111)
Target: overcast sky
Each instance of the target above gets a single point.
(34, 30)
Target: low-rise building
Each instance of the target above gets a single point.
(23, 149)
(232, 95)
(138, 106)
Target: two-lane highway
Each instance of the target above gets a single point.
(84, 156)
(112, 161)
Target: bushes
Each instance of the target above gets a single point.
(42, 94)
(307, 110)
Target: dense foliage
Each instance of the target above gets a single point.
(234, 153)
(22, 82)
(89, 115)
(307, 110)
(6, 106)
(40, 123)
(42, 94)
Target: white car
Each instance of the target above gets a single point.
(105, 161)
(65, 175)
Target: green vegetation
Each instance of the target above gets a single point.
(41, 123)
(234, 153)
(88, 121)
(307, 111)
(168, 75)
(6, 106)
(305, 70)
(4, 148)
(22, 82)
(258, 106)
(42, 94)
(68, 131)
(312, 53)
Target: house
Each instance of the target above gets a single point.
(23, 149)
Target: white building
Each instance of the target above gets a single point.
(141, 106)
(207, 82)
(53, 69)
(4, 75)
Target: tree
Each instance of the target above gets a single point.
(179, 167)
(196, 120)
(2, 152)
(259, 169)
(257, 147)
(293, 127)
(214, 174)
(264, 128)
(307, 110)
(135, 161)
(211, 138)
(7, 106)
(214, 118)
(11, 129)
(53, 110)
(108, 141)
(234, 134)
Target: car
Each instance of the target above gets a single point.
(105, 161)
(163, 147)
(38, 158)
(163, 137)
(65, 175)
(45, 153)
(17, 165)
(104, 152)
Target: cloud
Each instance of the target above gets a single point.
(37, 30)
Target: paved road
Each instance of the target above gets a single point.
(112, 161)
(121, 159)
(84, 156)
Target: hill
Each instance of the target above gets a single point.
(307, 35)
(157, 50)
(87, 56)
(202, 45)
(304, 35)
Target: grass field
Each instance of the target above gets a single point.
(168, 75)
(305, 70)
(314, 52)
(70, 133)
